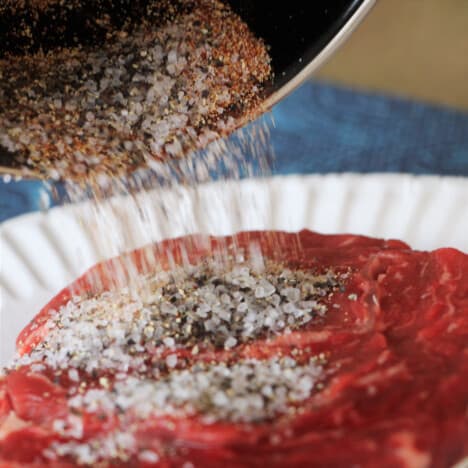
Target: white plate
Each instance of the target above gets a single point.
(42, 252)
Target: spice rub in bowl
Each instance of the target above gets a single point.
(159, 86)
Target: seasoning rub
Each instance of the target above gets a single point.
(143, 351)
(197, 307)
(147, 93)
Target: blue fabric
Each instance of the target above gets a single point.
(322, 128)
(21, 197)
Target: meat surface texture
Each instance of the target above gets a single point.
(375, 375)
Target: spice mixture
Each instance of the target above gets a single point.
(199, 308)
(248, 391)
(144, 95)
(148, 347)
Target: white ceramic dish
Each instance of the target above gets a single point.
(42, 252)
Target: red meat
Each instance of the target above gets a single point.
(395, 338)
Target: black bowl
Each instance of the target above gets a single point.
(298, 31)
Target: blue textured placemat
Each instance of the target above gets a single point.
(322, 128)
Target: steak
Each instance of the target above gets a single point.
(264, 348)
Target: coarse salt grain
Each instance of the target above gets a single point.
(171, 360)
(148, 456)
(230, 342)
(73, 375)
